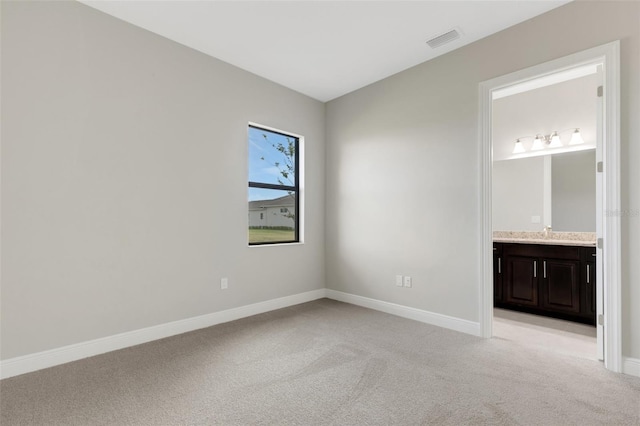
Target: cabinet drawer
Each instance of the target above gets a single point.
(541, 250)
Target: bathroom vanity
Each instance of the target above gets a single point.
(552, 275)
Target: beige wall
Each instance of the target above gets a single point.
(124, 180)
(403, 165)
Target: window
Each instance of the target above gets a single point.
(273, 187)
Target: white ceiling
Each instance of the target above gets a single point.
(323, 49)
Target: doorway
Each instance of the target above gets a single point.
(544, 212)
(608, 234)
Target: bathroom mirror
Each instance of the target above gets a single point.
(557, 190)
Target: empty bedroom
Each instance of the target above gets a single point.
(280, 212)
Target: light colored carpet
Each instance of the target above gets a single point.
(324, 363)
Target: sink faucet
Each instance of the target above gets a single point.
(547, 231)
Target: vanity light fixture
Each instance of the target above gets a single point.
(541, 142)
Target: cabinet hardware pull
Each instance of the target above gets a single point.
(535, 269)
(499, 265)
(593, 254)
(544, 269)
(588, 274)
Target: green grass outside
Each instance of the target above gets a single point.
(270, 235)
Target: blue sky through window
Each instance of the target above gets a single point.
(266, 162)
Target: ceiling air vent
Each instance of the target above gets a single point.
(444, 38)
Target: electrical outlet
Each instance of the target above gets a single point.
(399, 280)
(224, 283)
(407, 281)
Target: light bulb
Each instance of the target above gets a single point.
(576, 138)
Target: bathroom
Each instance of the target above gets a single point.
(544, 196)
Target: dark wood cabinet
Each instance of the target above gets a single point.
(497, 273)
(521, 285)
(589, 280)
(560, 285)
(550, 280)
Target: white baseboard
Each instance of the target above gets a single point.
(631, 366)
(427, 317)
(37, 361)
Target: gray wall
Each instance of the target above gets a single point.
(561, 107)
(403, 165)
(517, 186)
(573, 191)
(124, 180)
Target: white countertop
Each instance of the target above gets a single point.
(580, 239)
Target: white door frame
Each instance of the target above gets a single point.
(609, 56)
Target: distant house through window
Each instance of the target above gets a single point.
(273, 187)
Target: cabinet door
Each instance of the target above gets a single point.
(521, 281)
(560, 288)
(497, 274)
(590, 289)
